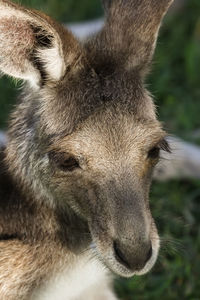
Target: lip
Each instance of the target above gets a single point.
(114, 266)
(109, 260)
(124, 271)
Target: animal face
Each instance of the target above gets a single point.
(85, 136)
(104, 169)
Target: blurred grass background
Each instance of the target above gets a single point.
(175, 82)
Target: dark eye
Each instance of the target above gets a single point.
(69, 164)
(154, 153)
(64, 161)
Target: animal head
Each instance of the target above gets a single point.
(85, 134)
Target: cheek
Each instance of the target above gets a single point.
(72, 192)
(146, 172)
(82, 201)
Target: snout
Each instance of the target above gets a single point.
(128, 255)
(129, 251)
(132, 257)
(125, 235)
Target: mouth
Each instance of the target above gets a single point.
(115, 260)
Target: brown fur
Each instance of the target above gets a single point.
(83, 142)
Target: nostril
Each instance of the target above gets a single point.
(119, 255)
(133, 258)
(149, 254)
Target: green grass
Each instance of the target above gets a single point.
(175, 78)
(175, 82)
(67, 10)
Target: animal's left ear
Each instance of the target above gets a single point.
(33, 47)
(129, 36)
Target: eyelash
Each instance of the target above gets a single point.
(154, 153)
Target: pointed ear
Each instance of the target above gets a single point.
(130, 32)
(32, 46)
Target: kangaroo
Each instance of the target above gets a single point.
(82, 145)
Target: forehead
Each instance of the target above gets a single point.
(112, 131)
(77, 100)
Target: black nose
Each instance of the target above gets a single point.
(149, 254)
(120, 256)
(133, 258)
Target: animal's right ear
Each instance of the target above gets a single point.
(33, 47)
(129, 36)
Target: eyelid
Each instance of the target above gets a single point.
(59, 158)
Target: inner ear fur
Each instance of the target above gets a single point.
(34, 47)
